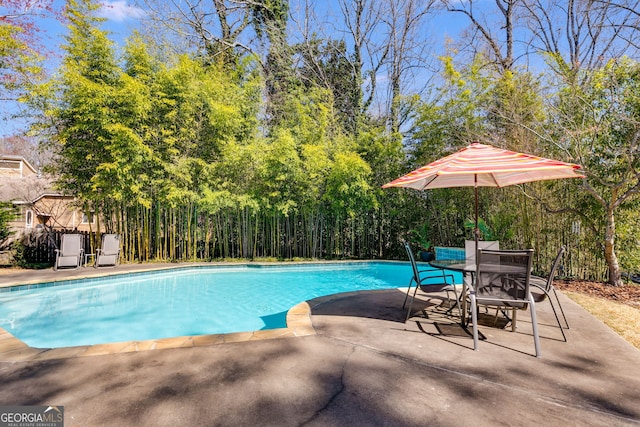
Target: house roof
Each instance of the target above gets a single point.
(26, 190)
(19, 159)
(21, 189)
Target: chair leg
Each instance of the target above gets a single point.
(534, 324)
(455, 292)
(561, 310)
(413, 297)
(555, 313)
(474, 319)
(457, 300)
(407, 296)
(495, 317)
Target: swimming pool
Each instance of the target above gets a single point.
(180, 302)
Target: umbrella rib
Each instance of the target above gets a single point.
(493, 178)
(428, 181)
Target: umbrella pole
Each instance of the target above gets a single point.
(476, 231)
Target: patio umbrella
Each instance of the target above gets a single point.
(480, 165)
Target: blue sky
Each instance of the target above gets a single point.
(121, 17)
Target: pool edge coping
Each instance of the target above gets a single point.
(12, 349)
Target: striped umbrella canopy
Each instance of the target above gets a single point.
(480, 165)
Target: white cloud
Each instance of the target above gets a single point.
(119, 11)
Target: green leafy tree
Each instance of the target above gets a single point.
(281, 174)
(454, 116)
(83, 116)
(349, 195)
(627, 226)
(598, 125)
(348, 188)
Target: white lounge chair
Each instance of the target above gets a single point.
(109, 254)
(70, 253)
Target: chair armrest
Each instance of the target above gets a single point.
(541, 286)
(433, 271)
(439, 276)
(105, 253)
(538, 281)
(423, 274)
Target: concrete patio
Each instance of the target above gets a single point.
(358, 364)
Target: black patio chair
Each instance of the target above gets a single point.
(434, 281)
(503, 281)
(543, 287)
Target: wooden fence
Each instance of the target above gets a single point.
(40, 248)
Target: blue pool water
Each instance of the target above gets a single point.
(180, 302)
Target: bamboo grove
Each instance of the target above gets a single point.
(216, 154)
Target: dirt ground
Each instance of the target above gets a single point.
(628, 294)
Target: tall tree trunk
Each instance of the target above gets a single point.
(615, 277)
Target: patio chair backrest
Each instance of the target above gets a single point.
(110, 244)
(554, 267)
(70, 244)
(416, 273)
(502, 277)
(470, 248)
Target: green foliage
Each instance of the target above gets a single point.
(270, 16)
(421, 237)
(486, 232)
(270, 20)
(7, 214)
(19, 255)
(348, 189)
(455, 116)
(83, 100)
(326, 64)
(598, 123)
(281, 174)
(627, 226)
(501, 227)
